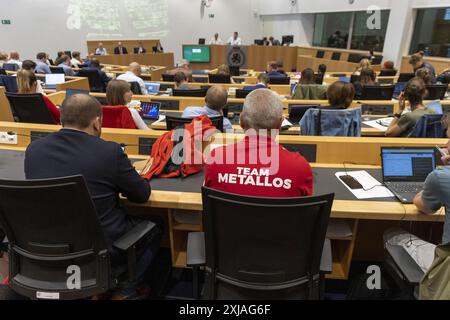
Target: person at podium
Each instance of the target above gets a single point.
(120, 49)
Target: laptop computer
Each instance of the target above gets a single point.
(71, 92)
(52, 80)
(152, 88)
(436, 106)
(150, 110)
(406, 169)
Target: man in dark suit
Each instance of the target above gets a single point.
(120, 49)
(94, 64)
(78, 149)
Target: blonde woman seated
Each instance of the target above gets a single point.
(364, 64)
(223, 70)
(118, 93)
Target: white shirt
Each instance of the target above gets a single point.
(214, 41)
(140, 124)
(131, 77)
(234, 42)
(19, 63)
(75, 62)
(101, 52)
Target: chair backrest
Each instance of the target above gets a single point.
(242, 94)
(264, 248)
(176, 122)
(280, 80)
(354, 57)
(54, 229)
(11, 66)
(336, 56)
(319, 78)
(320, 54)
(95, 81)
(436, 91)
(429, 126)
(377, 92)
(30, 108)
(117, 117)
(57, 70)
(3, 72)
(9, 82)
(329, 122)
(377, 60)
(168, 77)
(219, 78)
(235, 71)
(190, 93)
(296, 111)
(136, 88)
(405, 77)
(388, 73)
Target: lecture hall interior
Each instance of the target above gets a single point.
(253, 150)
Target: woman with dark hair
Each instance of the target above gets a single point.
(307, 89)
(404, 123)
(367, 78)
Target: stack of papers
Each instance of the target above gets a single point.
(371, 187)
(380, 124)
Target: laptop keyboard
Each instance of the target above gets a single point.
(410, 187)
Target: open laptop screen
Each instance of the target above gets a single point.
(152, 88)
(407, 164)
(150, 110)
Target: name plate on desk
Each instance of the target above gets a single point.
(308, 151)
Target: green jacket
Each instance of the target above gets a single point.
(310, 92)
(435, 285)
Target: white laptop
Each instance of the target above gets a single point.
(52, 80)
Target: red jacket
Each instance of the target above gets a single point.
(161, 157)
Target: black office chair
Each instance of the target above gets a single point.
(242, 94)
(55, 229)
(95, 81)
(201, 41)
(355, 78)
(164, 87)
(261, 248)
(388, 73)
(57, 70)
(336, 56)
(405, 77)
(436, 91)
(320, 54)
(354, 58)
(136, 88)
(280, 80)
(219, 78)
(429, 126)
(297, 111)
(168, 77)
(11, 66)
(377, 60)
(29, 108)
(377, 92)
(3, 72)
(9, 82)
(189, 93)
(319, 78)
(235, 71)
(232, 110)
(176, 122)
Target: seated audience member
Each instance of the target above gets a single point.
(274, 42)
(340, 95)
(404, 123)
(322, 69)
(3, 58)
(133, 75)
(367, 78)
(435, 195)
(77, 149)
(183, 67)
(101, 51)
(120, 49)
(263, 83)
(224, 70)
(417, 62)
(118, 93)
(425, 75)
(287, 174)
(159, 48)
(64, 62)
(95, 65)
(42, 66)
(234, 40)
(14, 58)
(181, 81)
(31, 66)
(307, 89)
(216, 99)
(444, 77)
(389, 65)
(141, 49)
(272, 70)
(364, 64)
(76, 59)
(281, 67)
(27, 84)
(265, 41)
